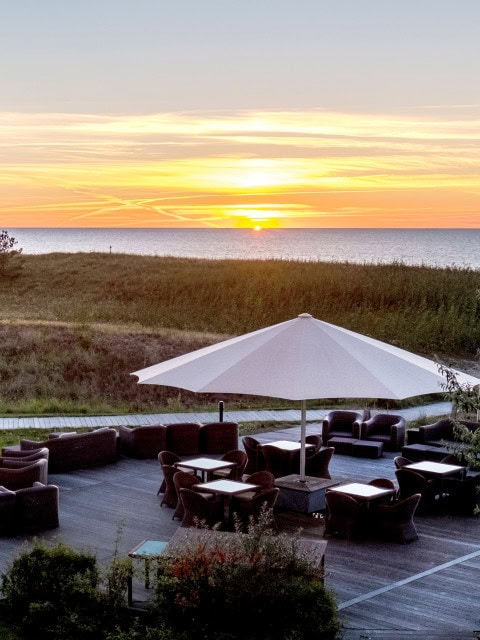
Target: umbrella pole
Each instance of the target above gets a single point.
(303, 433)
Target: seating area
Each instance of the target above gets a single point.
(70, 451)
(188, 438)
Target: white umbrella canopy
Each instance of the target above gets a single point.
(302, 359)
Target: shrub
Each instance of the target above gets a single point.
(51, 592)
(255, 585)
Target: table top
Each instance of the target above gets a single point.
(205, 464)
(150, 548)
(437, 468)
(361, 490)
(288, 445)
(226, 487)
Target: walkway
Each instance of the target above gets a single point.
(289, 415)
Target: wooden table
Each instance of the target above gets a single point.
(288, 445)
(226, 489)
(205, 465)
(361, 491)
(438, 470)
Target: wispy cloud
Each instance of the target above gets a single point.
(222, 169)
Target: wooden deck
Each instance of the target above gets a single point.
(427, 589)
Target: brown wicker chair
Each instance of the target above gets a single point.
(386, 428)
(317, 465)
(170, 458)
(170, 496)
(264, 479)
(143, 442)
(410, 482)
(277, 461)
(317, 442)
(385, 483)
(253, 449)
(184, 438)
(395, 521)
(37, 507)
(341, 424)
(248, 511)
(184, 480)
(198, 511)
(232, 473)
(32, 455)
(24, 476)
(218, 437)
(7, 511)
(401, 461)
(343, 515)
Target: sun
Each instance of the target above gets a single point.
(257, 227)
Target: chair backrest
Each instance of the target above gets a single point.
(401, 461)
(317, 465)
(32, 455)
(344, 421)
(341, 504)
(382, 483)
(168, 457)
(264, 479)
(316, 440)
(410, 482)
(218, 437)
(240, 459)
(277, 461)
(451, 458)
(255, 458)
(24, 476)
(265, 500)
(198, 510)
(183, 480)
(170, 497)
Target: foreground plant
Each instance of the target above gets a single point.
(255, 585)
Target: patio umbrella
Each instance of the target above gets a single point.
(302, 359)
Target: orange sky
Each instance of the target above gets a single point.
(308, 168)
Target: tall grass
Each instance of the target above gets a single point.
(54, 356)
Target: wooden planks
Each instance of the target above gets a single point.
(424, 589)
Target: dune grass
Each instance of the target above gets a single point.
(73, 326)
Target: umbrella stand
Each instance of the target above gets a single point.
(303, 433)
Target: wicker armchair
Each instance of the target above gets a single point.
(264, 479)
(198, 511)
(343, 515)
(170, 496)
(401, 461)
(170, 458)
(24, 476)
(386, 428)
(317, 442)
(254, 451)
(410, 482)
(218, 437)
(395, 521)
(184, 480)
(317, 465)
(232, 473)
(37, 507)
(277, 461)
(341, 424)
(31, 455)
(7, 511)
(248, 511)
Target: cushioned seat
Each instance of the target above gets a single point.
(341, 424)
(143, 442)
(386, 428)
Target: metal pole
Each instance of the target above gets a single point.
(303, 433)
(220, 411)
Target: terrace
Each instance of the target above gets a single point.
(426, 589)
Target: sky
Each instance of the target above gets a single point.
(229, 113)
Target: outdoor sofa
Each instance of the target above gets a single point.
(185, 439)
(437, 440)
(29, 509)
(69, 451)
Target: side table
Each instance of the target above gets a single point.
(146, 550)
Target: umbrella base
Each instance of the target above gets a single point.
(305, 497)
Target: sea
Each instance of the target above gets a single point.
(458, 248)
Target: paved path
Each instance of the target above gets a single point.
(289, 415)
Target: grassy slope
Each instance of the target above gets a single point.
(75, 325)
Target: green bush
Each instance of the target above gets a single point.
(256, 585)
(51, 592)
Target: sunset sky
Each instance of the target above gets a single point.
(229, 113)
